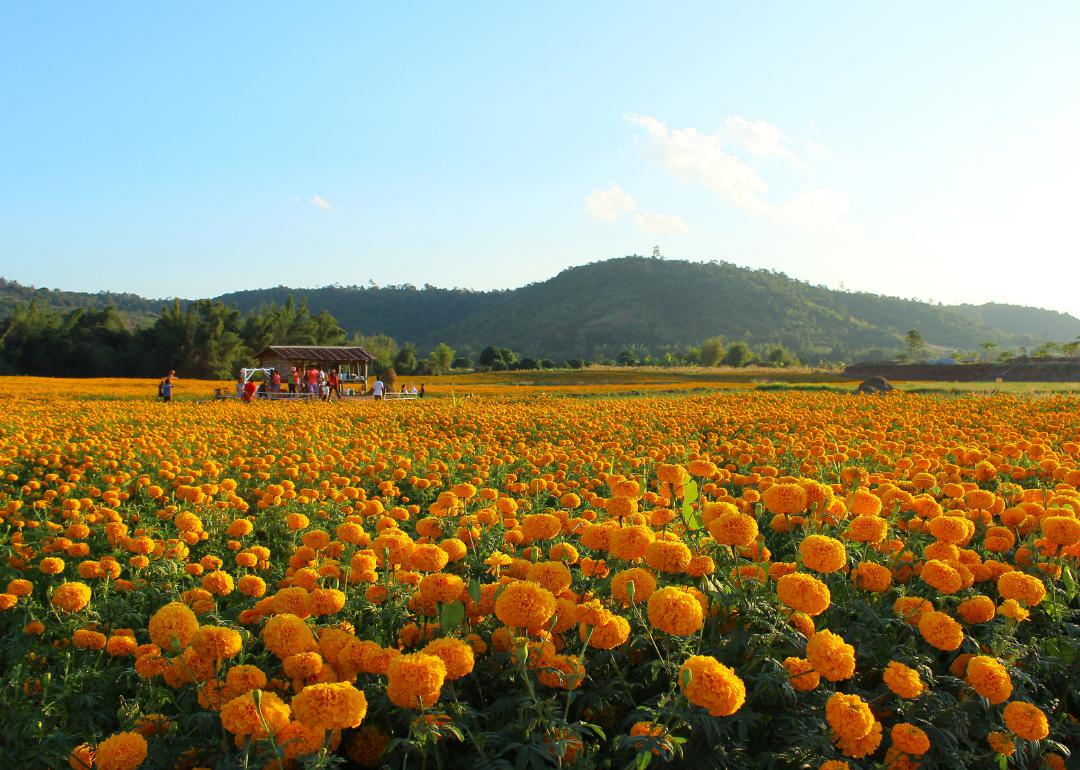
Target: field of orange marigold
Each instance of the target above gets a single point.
(739, 580)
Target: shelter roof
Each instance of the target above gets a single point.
(336, 353)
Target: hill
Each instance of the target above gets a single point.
(598, 309)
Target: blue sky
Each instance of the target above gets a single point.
(926, 150)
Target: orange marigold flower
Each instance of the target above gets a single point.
(455, 654)
(803, 593)
(643, 581)
(1024, 719)
(1001, 743)
(253, 712)
(524, 605)
(71, 597)
(978, 609)
(940, 630)
(416, 680)
(610, 631)
(785, 498)
(708, 683)
(849, 716)
(903, 680)
(873, 577)
(801, 674)
(217, 643)
(831, 656)
(823, 554)
(942, 576)
(330, 706)
(909, 738)
(668, 556)
(674, 610)
(989, 678)
(286, 635)
(1021, 587)
(122, 751)
(734, 529)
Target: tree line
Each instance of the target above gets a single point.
(209, 339)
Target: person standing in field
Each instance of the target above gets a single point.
(422, 386)
(333, 380)
(312, 379)
(294, 383)
(378, 389)
(275, 382)
(167, 386)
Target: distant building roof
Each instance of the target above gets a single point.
(336, 353)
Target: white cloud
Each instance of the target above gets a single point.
(320, 202)
(661, 224)
(610, 204)
(815, 208)
(700, 159)
(758, 137)
(816, 150)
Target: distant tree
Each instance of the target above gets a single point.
(988, 349)
(461, 362)
(627, 358)
(779, 356)
(405, 361)
(527, 363)
(547, 363)
(575, 363)
(915, 346)
(382, 346)
(1046, 350)
(489, 356)
(712, 351)
(1071, 348)
(440, 358)
(738, 355)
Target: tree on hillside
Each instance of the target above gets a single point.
(915, 346)
(779, 356)
(441, 358)
(712, 351)
(627, 358)
(382, 346)
(405, 361)
(738, 355)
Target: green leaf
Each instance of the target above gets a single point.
(474, 590)
(689, 514)
(451, 616)
(1070, 582)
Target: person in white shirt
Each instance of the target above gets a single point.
(413, 391)
(378, 389)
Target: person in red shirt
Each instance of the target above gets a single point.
(332, 381)
(312, 380)
(275, 382)
(249, 391)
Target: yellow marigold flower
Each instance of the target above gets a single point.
(909, 738)
(708, 683)
(122, 751)
(173, 622)
(327, 601)
(903, 680)
(911, 608)
(734, 529)
(441, 587)
(330, 706)
(787, 499)
(428, 557)
(989, 678)
(302, 665)
(217, 643)
(251, 585)
(455, 654)
(672, 474)
(803, 593)
(940, 630)
(242, 679)
(674, 610)
(1024, 719)
(702, 468)
(834, 764)
(831, 656)
(286, 635)
(241, 715)
(863, 502)
(7, 601)
(20, 587)
(416, 680)
(801, 674)
(1021, 587)
(823, 554)
(71, 597)
(524, 605)
(297, 739)
(849, 716)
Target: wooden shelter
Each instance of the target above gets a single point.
(351, 361)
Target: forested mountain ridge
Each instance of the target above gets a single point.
(596, 310)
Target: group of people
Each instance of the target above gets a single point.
(314, 381)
